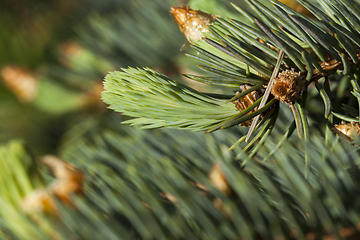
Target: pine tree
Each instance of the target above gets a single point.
(269, 68)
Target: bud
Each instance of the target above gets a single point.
(244, 102)
(192, 23)
(347, 131)
(288, 86)
(70, 52)
(69, 180)
(218, 179)
(20, 81)
(39, 201)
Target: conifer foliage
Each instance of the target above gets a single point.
(293, 79)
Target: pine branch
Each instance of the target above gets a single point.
(235, 54)
(157, 101)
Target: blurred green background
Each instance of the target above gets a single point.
(54, 55)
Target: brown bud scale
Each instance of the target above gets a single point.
(246, 101)
(288, 86)
(347, 131)
(21, 81)
(218, 179)
(39, 201)
(68, 181)
(192, 23)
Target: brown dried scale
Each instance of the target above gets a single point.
(347, 131)
(68, 181)
(192, 23)
(218, 179)
(220, 182)
(244, 102)
(39, 201)
(21, 81)
(288, 86)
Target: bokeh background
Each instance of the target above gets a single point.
(54, 55)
